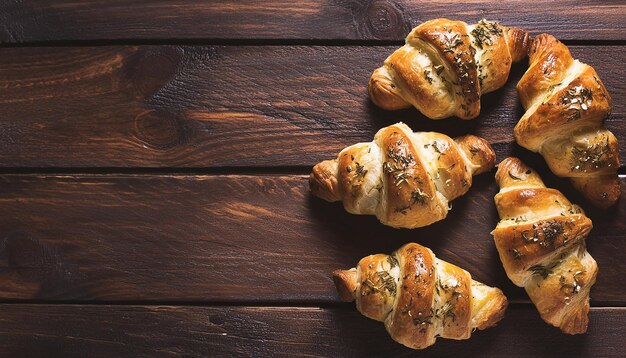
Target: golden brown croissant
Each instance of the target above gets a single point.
(406, 179)
(420, 297)
(446, 65)
(566, 104)
(541, 242)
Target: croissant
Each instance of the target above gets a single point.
(420, 297)
(541, 242)
(446, 65)
(406, 179)
(566, 104)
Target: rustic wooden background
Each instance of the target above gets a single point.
(153, 176)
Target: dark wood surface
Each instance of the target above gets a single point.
(153, 177)
(174, 331)
(233, 238)
(225, 106)
(48, 20)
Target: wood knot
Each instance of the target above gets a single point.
(159, 131)
(384, 20)
(150, 69)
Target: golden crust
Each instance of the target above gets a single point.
(562, 296)
(576, 321)
(384, 92)
(557, 114)
(519, 42)
(540, 240)
(519, 200)
(413, 85)
(454, 287)
(446, 65)
(409, 321)
(478, 151)
(577, 155)
(511, 171)
(549, 60)
(420, 297)
(346, 284)
(452, 169)
(497, 55)
(451, 41)
(566, 105)
(411, 200)
(323, 181)
(375, 294)
(353, 165)
(526, 244)
(404, 178)
(492, 310)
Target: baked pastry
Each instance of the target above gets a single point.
(541, 242)
(404, 178)
(566, 104)
(446, 65)
(420, 297)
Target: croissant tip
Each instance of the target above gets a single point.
(478, 151)
(519, 43)
(506, 166)
(577, 322)
(509, 161)
(384, 92)
(544, 38)
(496, 309)
(541, 43)
(345, 282)
(323, 181)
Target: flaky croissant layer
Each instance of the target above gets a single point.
(420, 297)
(566, 104)
(446, 65)
(541, 242)
(404, 178)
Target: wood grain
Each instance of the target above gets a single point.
(164, 331)
(224, 106)
(47, 20)
(151, 265)
(234, 239)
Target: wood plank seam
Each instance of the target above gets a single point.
(157, 106)
(236, 238)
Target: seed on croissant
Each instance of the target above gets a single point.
(446, 65)
(541, 242)
(566, 104)
(420, 297)
(404, 178)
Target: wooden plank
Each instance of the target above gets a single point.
(26, 21)
(224, 106)
(234, 238)
(161, 331)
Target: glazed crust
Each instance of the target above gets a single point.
(566, 104)
(408, 323)
(446, 65)
(404, 178)
(541, 242)
(420, 297)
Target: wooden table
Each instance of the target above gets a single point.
(154, 159)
